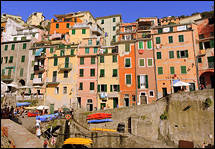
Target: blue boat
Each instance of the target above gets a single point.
(99, 121)
(22, 104)
(44, 118)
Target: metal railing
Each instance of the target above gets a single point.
(65, 66)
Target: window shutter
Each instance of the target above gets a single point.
(24, 45)
(158, 41)
(67, 25)
(95, 50)
(32, 76)
(55, 61)
(23, 58)
(9, 72)
(172, 70)
(73, 31)
(138, 80)
(72, 52)
(149, 62)
(160, 70)
(199, 60)
(105, 87)
(171, 54)
(183, 70)
(114, 58)
(200, 45)
(87, 51)
(83, 31)
(146, 77)
(13, 47)
(170, 39)
(98, 88)
(81, 60)
(142, 62)
(11, 59)
(127, 62)
(158, 55)
(128, 79)
(118, 88)
(66, 62)
(32, 64)
(111, 88)
(21, 72)
(51, 50)
(101, 59)
(212, 43)
(186, 53)
(140, 44)
(127, 47)
(171, 29)
(114, 72)
(178, 55)
(92, 60)
(5, 48)
(149, 44)
(160, 30)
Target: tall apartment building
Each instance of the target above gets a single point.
(145, 73)
(35, 18)
(205, 51)
(110, 25)
(174, 53)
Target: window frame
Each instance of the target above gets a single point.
(148, 62)
(126, 77)
(87, 50)
(173, 54)
(125, 62)
(185, 69)
(143, 60)
(179, 38)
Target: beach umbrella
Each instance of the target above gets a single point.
(37, 87)
(180, 83)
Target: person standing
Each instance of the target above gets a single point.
(43, 111)
(38, 123)
(45, 143)
(38, 132)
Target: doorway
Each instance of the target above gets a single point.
(129, 125)
(202, 81)
(164, 90)
(192, 87)
(176, 89)
(126, 101)
(102, 105)
(89, 105)
(115, 102)
(79, 102)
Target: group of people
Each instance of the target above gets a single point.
(7, 111)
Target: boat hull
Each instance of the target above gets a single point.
(45, 118)
(100, 121)
(32, 114)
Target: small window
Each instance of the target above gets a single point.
(114, 19)
(15, 38)
(23, 59)
(5, 47)
(133, 98)
(127, 62)
(170, 39)
(141, 45)
(72, 51)
(80, 86)
(142, 62)
(92, 72)
(127, 47)
(160, 30)
(83, 31)
(149, 44)
(11, 59)
(183, 70)
(23, 38)
(89, 42)
(6, 58)
(158, 40)
(171, 29)
(172, 70)
(114, 58)
(24, 45)
(62, 53)
(182, 54)
(67, 25)
(199, 60)
(82, 61)
(87, 50)
(102, 59)
(21, 72)
(171, 54)
(114, 28)
(95, 49)
(102, 72)
(64, 90)
(91, 86)
(181, 38)
(65, 74)
(51, 50)
(103, 88)
(93, 60)
(32, 76)
(56, 90)
(114, 38)
(201, 36)
(55, 61)
(81, 74)
(160, 70)
(73, 32)
(115, 72)
(57, 25)
(13, 47)
(151, 93)
(102, 21)
(159, 55)
(114, 88)
(150, 62)
(128, 79)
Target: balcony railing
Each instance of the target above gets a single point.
(144, 28)
(126, 38)
(38, 68)
(38, 81)
(211, 65)
(65, 66)
(53, 80)
(202, 52)
(143, 35)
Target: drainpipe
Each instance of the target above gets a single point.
(155, 67)
(197, 72)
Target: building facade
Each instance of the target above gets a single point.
(169, 20)
(35, 18)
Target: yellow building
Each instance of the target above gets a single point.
(108, 77)
(62, 77)
(35, 18)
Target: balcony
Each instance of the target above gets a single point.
(6, 78)
(96, 30)
(39, 68)
(144, 28)
(144, 35)
(210, 64)
(38, 81)
(53, 80)
(65, 66)
(114, 50)
(202, 52)
(126, 38)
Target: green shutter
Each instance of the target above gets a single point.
(9, 72)
(138, 80)
(11, 59)
(160, 30)
(62, 53)
(33, 52)
(73, 32)
(66, 62)
(172, 70)
(114, 19)
(6, 59)
(140, 44)
(93, 60)
(15, 38)
(82, 61)
(67, 25)
(23, 59)
(127, 47)
(114, 28)
(170, 39)
(115, 72)
(105, 87)
(146, 77)
(55, 61)
(186, 53)
(200, 45)
(95, 50)
(159, 55)
(40, 75)
(171, 54)
(118, 88)
(111, 90)
(57, 25)
(87, 51)
(149, 44)
(158, 40)
(91, 85)
(98, 88)
(13, 47)
(89, 42)
(181, 38)
(171, 29)
(72, 52)
(149, 62)
(24, 45)
(102, 72)
(21, 72)
(142, 62)
(83, 31)
(160, 70)
(178, 55)
(114, 58)
(183, 70)
(199, 60)
(32, 76)
(212, 43)
(92, 72)
(127, 63)
(101, 59)
(51, 50)
(128, 79)
(5, 47)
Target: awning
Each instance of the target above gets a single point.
(38, 53)
(175, 81)
(10, 68)
(180, 83)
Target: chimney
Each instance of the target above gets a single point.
(52, 20)
(62, 19)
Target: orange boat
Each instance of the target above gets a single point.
(99, 116)
(32, 114)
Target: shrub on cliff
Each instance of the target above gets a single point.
(164, 116)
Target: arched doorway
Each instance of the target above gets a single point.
(89, 105)
(21, 83)
(207, 79)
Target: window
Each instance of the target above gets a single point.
(171, 29)
(160, 70)
(170, 39)
(149, 62)
(127, 62)
(9, 72)
(212, 34)
(158, 40)
(149, 44)
(159, 55)
(75, 20)
(11, 59)
(13, 47)
(89, 42)
(32, 76)
(15, 38)
(5, 47)
(114, 88)
(172, 70)
(95, 50)
(114, 58)
(82, 61)
(56, 90)
(160, 30)
(24, 45)
(142, 81)
(151, 93)
(40, 75)
(181, 38)
(114, 38)
(67, 25)
(57, 25)
(127, 47)
(62, 53)
(6, 59)
(102, 72)
(51, 50)
(171, 54)
(1, 60)
(91, 85)
(182, 54)
(21, 72)
(140, 44)
(83, 31)
(114, 72)
(23, 38)
(23, 59)
(73, 32)
(81, 74)
(55, 61)
(183, 70)
(87, 50)
(102, 59)
(65, 74)
(142, 62)
(114, 28)
(128, 79)
(93, 60)
(92, 72)
(105, 51)
(80, 86)
(64, 90)
(201, 36)
(34, 35)
(32, 63)
(103, 88)
(102, 21)
(72, 51)
(114, 19)
(210, 62)
(199, 60)
(211, 44)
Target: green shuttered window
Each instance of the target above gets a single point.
(82, 61)
(55, 61)
(183, 70)
(212, 43)
(158, 40)
(200, 45)
(140, 44)
(24, 45)
(127, 62)
(11, 59)
(51, 50)
(102, 59)
(5, 47)
(102, 72)
(73, 32)
(66, 62)
(172, 70)
(171, 54)
(81, 86)
(199, 60)
(13, 47)
(95, 50)
(150, 63)
(114, 58)
(23, 59)
(81, 74)
(72, 51)
(90, 42)
(149, 44)
(87, 50)
(93, 60)
(170, 39)
(114, 19)
(62, 52)
(160, 70)
(92, 72)
(57, 25)
(114, 72)
(32, 76)
(128, 79)
(142, 62)
(127, 47)
(160, 30)
(91, 85)
(67, 25)
(83, 31)
(181, 38)
(159, 55)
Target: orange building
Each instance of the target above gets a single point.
(174, 52)
(205, 51)
(126, 60)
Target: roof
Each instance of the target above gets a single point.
(35, 13)
(110, 16)
(72, 13)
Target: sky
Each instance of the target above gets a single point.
(129, 10)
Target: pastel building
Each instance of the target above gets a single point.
(174, 53)
(126, 60)
(108, 77)
(169, 20)
(35, 18)
(205, 51)
(145, 73)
